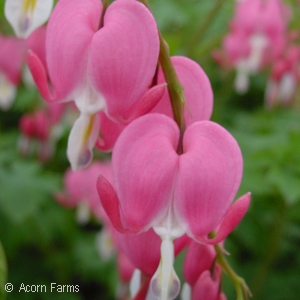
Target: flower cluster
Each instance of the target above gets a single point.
(174, 174)
(258, 40)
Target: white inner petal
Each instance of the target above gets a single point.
(7, 92)
(287, 87)
(258, 43)
(83, 213)
(186, 292)
(135, 283)
(89, 101)
(82, 139)
(104, 244)
(27, 15)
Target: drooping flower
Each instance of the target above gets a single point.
(27, 15)
(257, 37)
(81, 192)
(202, 274)
(174, 193)
(11, 61)
(284, 78)
(106, 69)
(41, 130)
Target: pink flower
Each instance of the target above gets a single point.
(282, 84)
(81, 191)
(40, 128)
(155, 187)
(202, 273)
(257, 37)
(197, 90)
(108, 69)
(11, 61)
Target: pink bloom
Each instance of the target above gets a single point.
(40, 128)
(155, 187)
(257, 37)
(11, 61)
(284, 78)
(197, 90)
(108, 69)
(81, 191)
(202, 273)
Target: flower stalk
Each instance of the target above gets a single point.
(175, 89)
(242, 290)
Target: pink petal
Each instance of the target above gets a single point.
(197, 90)
(125, 267)
(36, 42)
(198, 258)
(110, 203)
(144, 172)
(109, 132)
(206, 287)
(148, 101)
(232, 218)
(69, 36)
(210, 171)
(12, 55)
(39, 75)
(124, 56)
(143, 250)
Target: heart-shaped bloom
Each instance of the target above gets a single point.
(257, 37)
(27, 15)
(202, 274)
(192, 192)
(102, 69)
(81, 192)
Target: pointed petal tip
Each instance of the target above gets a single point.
(232, 218)
(110, 203)
(39, 75)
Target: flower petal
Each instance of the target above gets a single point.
(27, 15)
(197, 90)
(109, 131)
(232, 218)
(69, 35)
(144, 172)
(130, 34)
(81, 141)
(210, 171)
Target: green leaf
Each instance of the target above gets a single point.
(24, 188)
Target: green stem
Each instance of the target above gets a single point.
(175, 89)
(242, 290)
(105, 5)
(199, 34)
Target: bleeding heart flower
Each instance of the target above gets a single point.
(27, 15)
(11, 60)
(174, 193)
(257, 37)
(103, 69)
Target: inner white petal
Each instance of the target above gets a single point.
(7, 92)
(27, 15)
(89, 101)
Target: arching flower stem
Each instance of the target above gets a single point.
(105, 5)
(242, 290)
(175, 89)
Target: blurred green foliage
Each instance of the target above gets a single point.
(42, 241)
